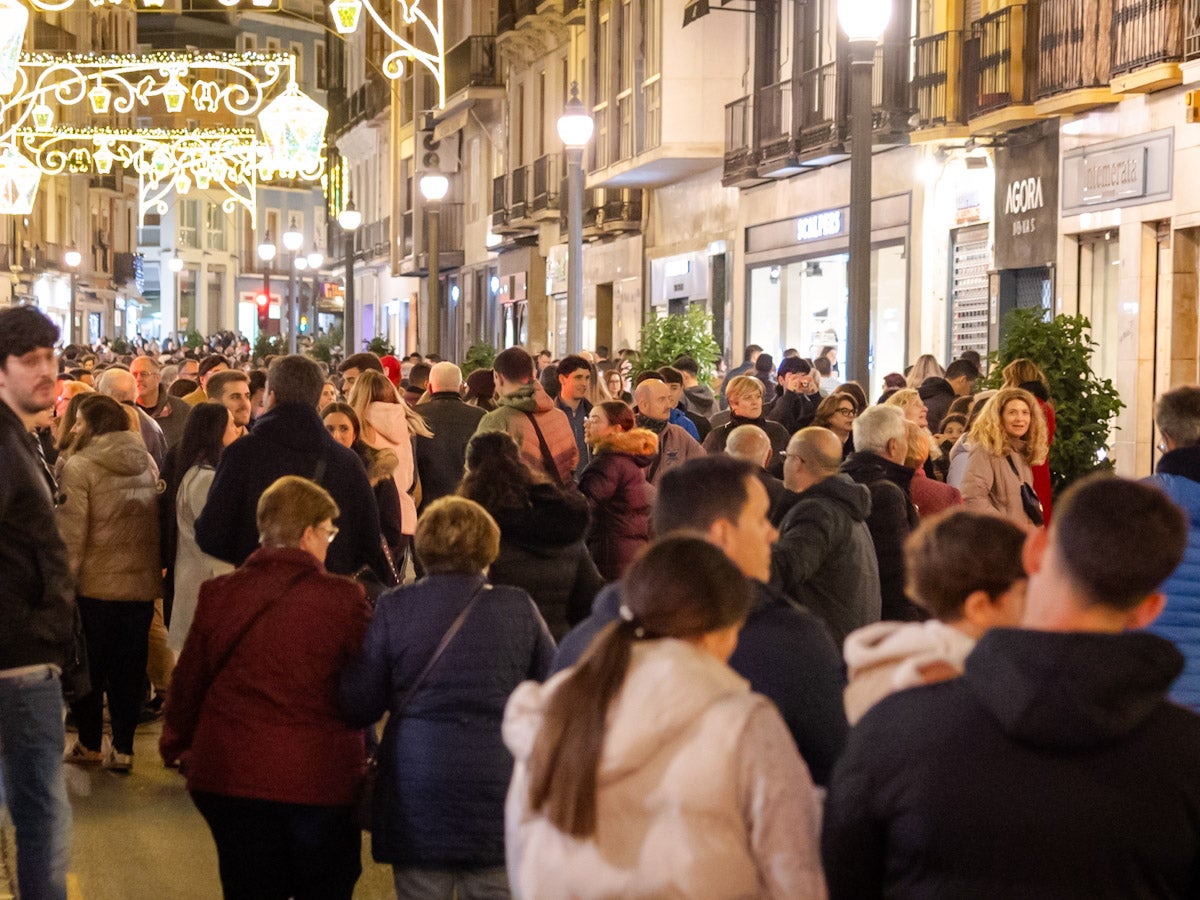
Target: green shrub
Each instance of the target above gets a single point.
(479, 356)
(664, 338)
(381, 347)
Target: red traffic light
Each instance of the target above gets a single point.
(263, 301)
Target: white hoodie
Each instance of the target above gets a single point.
(888, 656)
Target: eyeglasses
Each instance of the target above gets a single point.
(846, 411)
(332, 532)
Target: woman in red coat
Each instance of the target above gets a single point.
(253, 710)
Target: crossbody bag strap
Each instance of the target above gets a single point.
(547, 457)
(1012, 465)
(454, 628)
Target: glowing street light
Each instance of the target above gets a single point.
(575, 127)
(72, 258)
(349, 219)
(434, 186)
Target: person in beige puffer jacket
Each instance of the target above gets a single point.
(108, 517)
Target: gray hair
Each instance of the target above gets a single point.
(1177, 415)
(878, 425)
(444, 376)
(748, 442)
(118, 384)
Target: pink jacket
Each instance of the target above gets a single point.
(390, 424)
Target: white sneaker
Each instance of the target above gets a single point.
(80, 755)
(118, 762)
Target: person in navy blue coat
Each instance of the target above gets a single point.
(438, 811)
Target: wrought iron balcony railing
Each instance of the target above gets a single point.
(472, 63)
(1147, 32)
(1073, 47)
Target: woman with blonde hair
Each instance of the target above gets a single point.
(387, 422)
(1025, 373)
(929, 496)
(909, 401)
(1007, 438)
(926, 366)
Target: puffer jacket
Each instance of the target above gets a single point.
(1179, 476)
(988, 483)
(700, 792)
(424, 812)
(511, 416)
(616, 487)
(390, 424)
(109, 519)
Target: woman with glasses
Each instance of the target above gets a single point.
(837, 413)
(271, 764)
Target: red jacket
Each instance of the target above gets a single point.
(1041, 474)
(268, 726)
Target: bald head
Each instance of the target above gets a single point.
(749, 442)
(653, 399)
(813, 454)
(118, 384)
(444, 376)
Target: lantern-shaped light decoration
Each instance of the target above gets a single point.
(345, 15)
(102, 159)
(160, 163)
(293, 125)
(174, 94)
(149, 3)
(14, 18)
(18, 183)
(43, 117)
(203, 179)
(183, 184)
(100, 97)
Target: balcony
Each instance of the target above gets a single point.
(369, 101)
(472, 75)
(938, 88)
(1073, 57)
(1003, 81)
(518, 197)
(1148, 38)
(741, 166)
(450, 243)
(500, 205)
(611, 211)
(124, 268)
(547, 182)
(407, 240)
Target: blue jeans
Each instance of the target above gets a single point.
(31, 750)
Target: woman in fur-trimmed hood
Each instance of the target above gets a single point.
(616, 486)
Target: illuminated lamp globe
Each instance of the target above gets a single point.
(301, 263)
(345, 15)
(575, 126)
(350, 218)
(43, 118)
(266, 250)
(315, 259)
(73, 258)
(15, 17)
(99, 97)
(175, 264)
(864, 21)
(292, 238)
(434, 186)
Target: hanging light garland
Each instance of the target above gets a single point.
(347, 14)
(156, 5)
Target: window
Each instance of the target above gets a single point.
(214, 226)
(539, 117)
(273, 45)
(189, 223)
(319, 55)
(297, 51)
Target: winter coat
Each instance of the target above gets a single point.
(938, 395)
(1041, 472)
(510, 415)
(542, 551)
(441, 459)
(389, 421)
(988, 483)
(37, 597)
(699, 794)
(715, 442)
(891, 520)
(700, 399)
(793, 411)
(786, 654)
(620, 498)
(192, 565)
(1179, 476)
(268, 725)
(824, 558)
(290, 439)
(890, 656)
(444, 809)
(675, 447)
(171, 415)
(108, 518)
(678, 416)
(931, 497)
(1055, 767)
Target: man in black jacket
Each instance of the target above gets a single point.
(37, 611)
(289, 439)
(881, 443)
(939, 393)
(440, 458)
(795, 408)
(1056, 766)
(824, 557)
(783, 650)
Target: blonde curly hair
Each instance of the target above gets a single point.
(988, 430)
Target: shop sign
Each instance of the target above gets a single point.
(1119, 173)
(815, 227)
(1026, 188)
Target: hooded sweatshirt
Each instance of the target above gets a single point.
(700, 400)
(1055, 767)
(700, 791)
(825, 559)
(512, 415)
(389, 421)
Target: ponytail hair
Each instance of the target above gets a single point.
(682, 587)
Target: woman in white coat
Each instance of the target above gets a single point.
(649, 769)
(210, 429)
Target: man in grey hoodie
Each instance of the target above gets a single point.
(697, 396)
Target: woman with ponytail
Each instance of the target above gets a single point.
(649, 769)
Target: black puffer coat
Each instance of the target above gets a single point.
(615, 485)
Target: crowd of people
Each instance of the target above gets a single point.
(627, 633)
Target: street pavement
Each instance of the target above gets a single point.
(138, 836)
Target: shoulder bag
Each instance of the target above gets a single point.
(1029, 499)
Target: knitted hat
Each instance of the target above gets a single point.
(391, 368)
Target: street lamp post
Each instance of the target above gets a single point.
(864, 22)
(72, 258)
(175, 264)
(349, 219)
(315, 261)
(575, 128)
(292, 239)
(266, 252)
(433, 189)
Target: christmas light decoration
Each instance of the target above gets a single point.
(293, 125)
(19, 180)
(409, 14)
(14, 19)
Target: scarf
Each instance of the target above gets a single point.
(658, 426)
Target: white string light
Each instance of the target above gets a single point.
(347, 14)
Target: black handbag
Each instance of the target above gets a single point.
(1029, 499)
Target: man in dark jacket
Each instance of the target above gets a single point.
(784, 651)
(37, 611)
(751, 444)
(824, 557)
(1056, 766)
(795, 408)
(440, 458)
(881, 442)
(939, 393)
(289, 439)
(169, 412)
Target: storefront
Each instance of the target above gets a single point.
(798, 284)
(699, 278)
